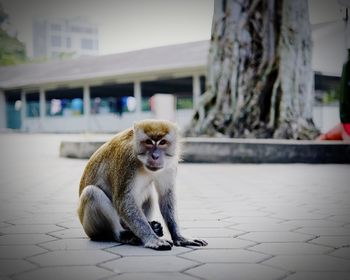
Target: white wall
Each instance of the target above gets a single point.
(326, 117)
(96, 123)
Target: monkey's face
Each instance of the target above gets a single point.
(153, 153)
(154, 145)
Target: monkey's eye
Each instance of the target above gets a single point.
(149, 142)
(163, 142)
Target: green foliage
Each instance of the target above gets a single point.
(12, 51)
(184, 103)
(331, 96)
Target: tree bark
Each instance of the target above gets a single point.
(259, 81)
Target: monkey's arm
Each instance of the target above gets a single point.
(131, 214)
(168, 210)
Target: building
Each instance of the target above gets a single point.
(53, 38)
(92, 93)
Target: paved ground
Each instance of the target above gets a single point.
(261, 221)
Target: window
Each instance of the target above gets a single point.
(56, 41)
(13, 107)
(55, 27)
(112, 99)
(181, 88)
(75, 29)
(32, 105)
(64, 102)
(87, 44)
(68, 42)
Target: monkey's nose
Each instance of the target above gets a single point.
(155, 156)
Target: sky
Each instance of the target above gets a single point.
(124, 25)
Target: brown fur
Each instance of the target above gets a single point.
(115, 197)
(113, 164)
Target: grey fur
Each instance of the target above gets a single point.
(116, 185)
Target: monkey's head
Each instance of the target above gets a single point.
(156, 143)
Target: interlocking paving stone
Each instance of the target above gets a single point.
(19, 252)
(290, 248)
(73, 223)
(236, 272)
(332, 241)
(8, 267)
(153, 276)
(40, 220)
(263, 227)
(30, 229)
(23, 239)
(276, 236)
(225, 256)
(298, 216)
(3, 225)
(248, 213)
(149, 264)
(342, 252)
(225, 243)
(129, 250)
(340, 218)
(70, 233)
(298, 211)
(81, 257)
(204, 224)
(319, 276)
(66, 272)
(210, 232)
(195, 216)
(309, 263)
(313, 223)
(325, 231)
(253, 220)
(77, 244)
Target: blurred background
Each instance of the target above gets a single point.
(97, 66)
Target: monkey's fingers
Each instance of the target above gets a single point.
(200, 242)
(159, 244)
(190, 242)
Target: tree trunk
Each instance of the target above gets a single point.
(259, 81)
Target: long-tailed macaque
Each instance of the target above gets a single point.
(115, 189)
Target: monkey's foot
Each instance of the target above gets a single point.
(128, 237)
(159, 244)
(157, 228)
(189, 242)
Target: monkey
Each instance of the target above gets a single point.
(115, 200)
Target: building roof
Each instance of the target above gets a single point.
(159, 59)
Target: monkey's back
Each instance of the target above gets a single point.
(112, 165)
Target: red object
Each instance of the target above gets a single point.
(346, 127)
(334, 134)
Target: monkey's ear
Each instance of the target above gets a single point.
(138, 131)
(135, 126)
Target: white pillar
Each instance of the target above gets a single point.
(196, 87)
(137, 95)
(42, 108)
(3, 117)
(87, 111)
(23, 108)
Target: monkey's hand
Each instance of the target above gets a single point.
(182, 241)
(159, 244)
(157, 228)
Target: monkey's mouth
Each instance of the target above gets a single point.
(154, 168)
